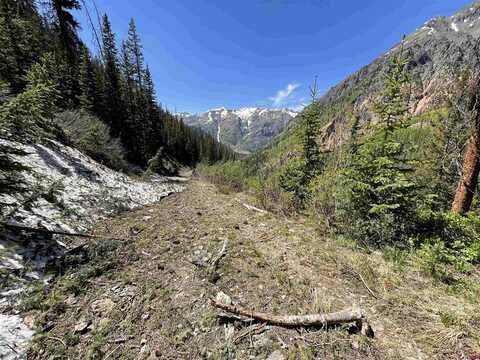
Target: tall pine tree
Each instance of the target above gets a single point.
(114, 111)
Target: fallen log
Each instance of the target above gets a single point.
(354, 314)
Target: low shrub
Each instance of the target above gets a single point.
(90, 135)
(228, 176)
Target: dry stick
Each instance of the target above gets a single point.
(54, 232)
(111, 352)
(57, 339)
(253, 208)
(220, 255)
(365, 283)
(256, 329)
(354, 314)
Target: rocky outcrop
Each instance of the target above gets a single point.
(437, 53)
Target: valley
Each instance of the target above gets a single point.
(347, 228)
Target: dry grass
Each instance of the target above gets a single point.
(160, 289)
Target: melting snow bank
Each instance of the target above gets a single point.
(68, 191)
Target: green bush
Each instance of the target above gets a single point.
(28, 116)
(90, 135)
(228, 176)
(459, 235)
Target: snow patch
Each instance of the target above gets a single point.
(245, 113)
(81, 192)
(454, 27)
(14, 334)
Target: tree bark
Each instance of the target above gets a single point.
(469, 179)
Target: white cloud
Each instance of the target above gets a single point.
(284, 95)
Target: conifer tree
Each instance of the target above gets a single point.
(113, 114)
(135, 50)
(378, 198)
(87, 83)
(67, 27)
(22, 41)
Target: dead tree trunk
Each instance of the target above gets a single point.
(471, 160)
(469, 179)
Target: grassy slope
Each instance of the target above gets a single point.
(157, 298)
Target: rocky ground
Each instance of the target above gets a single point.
(144, 294)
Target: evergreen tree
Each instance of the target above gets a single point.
(113, 114)
(22, 41)
(135, 50)
(310, 147)
(87, 83)
(378, 199)
(67, 27)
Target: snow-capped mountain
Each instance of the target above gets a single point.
(245, 129)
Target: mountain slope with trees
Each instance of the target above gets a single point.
(46, 64)
(379, 157)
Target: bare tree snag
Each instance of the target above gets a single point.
(469, 179)
(355, 314)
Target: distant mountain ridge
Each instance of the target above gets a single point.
(246, 129)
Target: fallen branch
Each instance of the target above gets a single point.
(220, 255)
(354, 314)
(53, 232)
(366, 285)
(252, 208)
(254, 329)
(57, 339)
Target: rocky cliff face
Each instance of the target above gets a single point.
(245, 129)
(437, 52)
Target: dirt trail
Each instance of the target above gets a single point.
(146, 297)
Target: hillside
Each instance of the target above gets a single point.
(245, 129)
(437, 53)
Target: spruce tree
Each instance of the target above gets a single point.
(135, 50)
(113, 114)
(67, 27)
(378, 197)
(87, 83)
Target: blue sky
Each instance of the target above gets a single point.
(211, 53)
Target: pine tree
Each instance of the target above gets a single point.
(310, 121)
(67, 27)
(135, 50)
(378, 199)
(22, 41)
(112, 81)
(88, 87)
